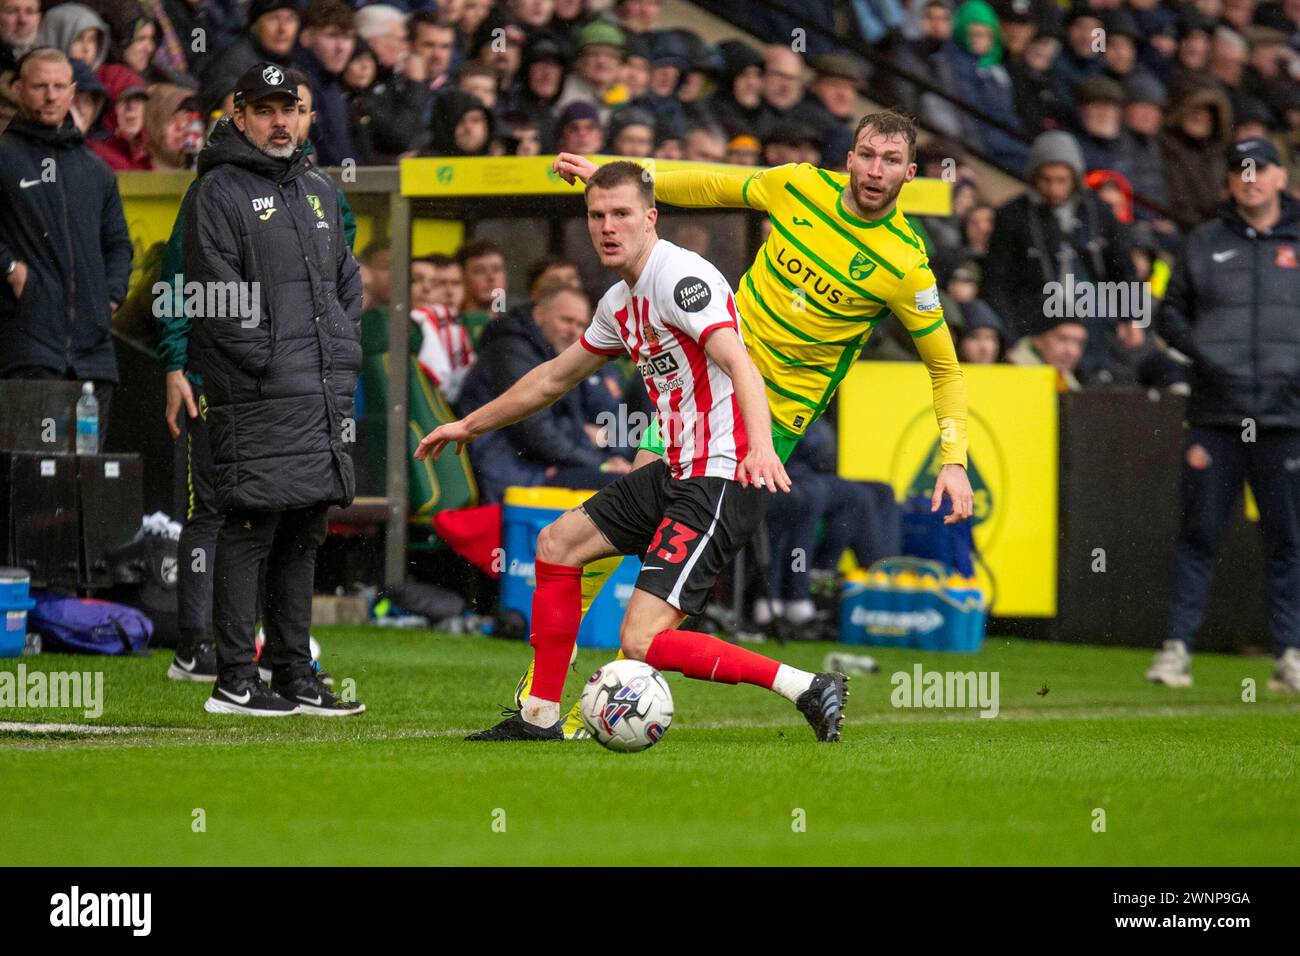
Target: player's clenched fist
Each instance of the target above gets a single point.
(432, 444)
(571, 167)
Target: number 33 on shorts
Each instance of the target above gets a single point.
(677, 547)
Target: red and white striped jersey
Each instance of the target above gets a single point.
(445, 350)
(663, 321)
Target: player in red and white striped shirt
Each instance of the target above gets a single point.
(687, 514)
(664, 321)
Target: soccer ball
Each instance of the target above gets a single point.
(627, 705)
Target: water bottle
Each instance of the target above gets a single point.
(87, 421)
(853, 665)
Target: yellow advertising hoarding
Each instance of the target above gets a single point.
(887, 432)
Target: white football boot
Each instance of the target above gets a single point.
(1286, 672)
(1172, 665)
(765, 611)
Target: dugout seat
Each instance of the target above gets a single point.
(433, 486)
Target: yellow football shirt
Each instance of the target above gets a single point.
(820, 284)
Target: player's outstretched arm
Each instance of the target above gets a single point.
(761, 466)
(542, 386)
(683, 187)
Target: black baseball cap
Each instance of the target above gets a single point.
(263, 80)
(1258, 149)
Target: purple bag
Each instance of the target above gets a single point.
(88, 626)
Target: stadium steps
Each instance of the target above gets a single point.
(995, 185)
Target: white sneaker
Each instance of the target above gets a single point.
(800, 612)
(1286, 672)
(1172, 665)
(766, 610)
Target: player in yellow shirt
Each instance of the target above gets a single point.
(839, 257)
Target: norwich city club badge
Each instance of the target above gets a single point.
(861, 267)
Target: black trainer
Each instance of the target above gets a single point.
(195, 662)
(823, 705)
(248, 698)
(514, 727)
(313, 697)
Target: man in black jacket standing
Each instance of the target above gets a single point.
(64, 247)
(262, 228)
(1233, 308)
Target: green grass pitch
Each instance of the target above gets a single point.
(1192, 776)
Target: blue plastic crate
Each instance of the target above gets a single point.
(912, 603)
(526, 511)
(14, 605)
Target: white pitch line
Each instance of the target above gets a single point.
(141, 736)
(26, 727)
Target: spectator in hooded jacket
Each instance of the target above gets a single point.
(78, 31)
(65, 251)
(738, 101)
(90, 99)
(279, 385)
(121, 140)
(1054, 241)
(1231, 307)
(540, 79)
(173, 126)
(982, 338)
(980, 79)
(1197, 130)
(134, 42)
(461, 126)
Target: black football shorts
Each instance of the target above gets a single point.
(685, 530)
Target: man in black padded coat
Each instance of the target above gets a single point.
(277, 341)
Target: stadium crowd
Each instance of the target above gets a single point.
(1117, 114)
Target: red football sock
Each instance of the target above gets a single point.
(707, 658)
(557, 612)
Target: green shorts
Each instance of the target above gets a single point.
(782, 441)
